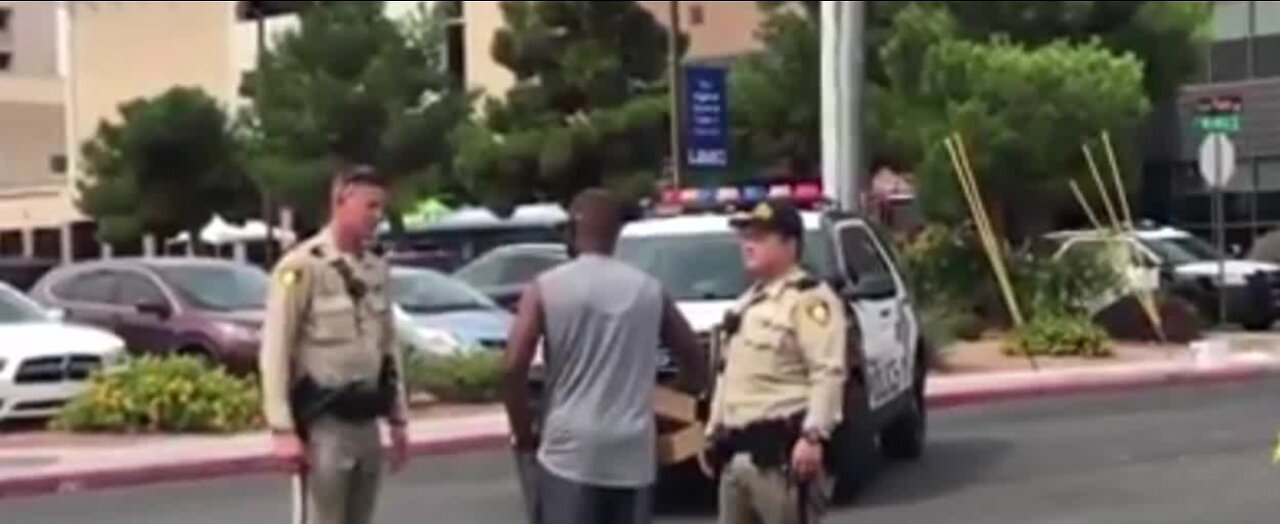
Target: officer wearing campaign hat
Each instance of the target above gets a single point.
(779, 392)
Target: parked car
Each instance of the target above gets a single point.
(43, 362)
(22, 273)
(439, 314)
(203, 307)
(503, 272)
(1176, 261)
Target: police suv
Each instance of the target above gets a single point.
(689, 246)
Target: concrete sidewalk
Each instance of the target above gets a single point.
(35, 465)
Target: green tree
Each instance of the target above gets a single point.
(351, 85)
(1023, 111)
(775, 97)
(166, 167)
(588, 108)
(1167, 38)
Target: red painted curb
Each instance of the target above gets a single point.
(1106, 385)
(266, 464)
(138, 476)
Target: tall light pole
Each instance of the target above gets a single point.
(677, 94)
(843, 75)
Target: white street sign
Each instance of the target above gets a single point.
(1217, 160)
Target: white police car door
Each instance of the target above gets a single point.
(880, 305)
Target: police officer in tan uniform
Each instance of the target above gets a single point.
(778, 397)
(329, 363)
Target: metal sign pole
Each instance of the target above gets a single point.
(1220, 230)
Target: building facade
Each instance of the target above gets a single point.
(1244, 61)
(66, 67)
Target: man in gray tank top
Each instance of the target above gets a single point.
(601, 323)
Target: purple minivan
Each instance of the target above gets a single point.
(202, 307)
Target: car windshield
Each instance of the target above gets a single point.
(18, 309)
(424, 292)
(509, 267)
(703, 266)
(1182, 250)
(219, 287)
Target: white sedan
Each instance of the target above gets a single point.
(44, 362)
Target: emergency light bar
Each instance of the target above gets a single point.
(805, 193)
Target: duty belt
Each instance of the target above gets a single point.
(769, 443)
(356, 401)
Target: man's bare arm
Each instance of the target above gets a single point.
(522, 344)
(683, 343)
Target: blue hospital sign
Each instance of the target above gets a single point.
(707, 119)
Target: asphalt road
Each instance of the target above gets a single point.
(1190, 455)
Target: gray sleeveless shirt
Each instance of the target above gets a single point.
(602, 327)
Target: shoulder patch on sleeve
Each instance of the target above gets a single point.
(289, 277)
(818, 311)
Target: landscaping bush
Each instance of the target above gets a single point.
(953, 280)
(944, 264)
(943, 324)
(466, 376)
(1068, 286)
(1060, 336)
(1127, 320)
(174, 394)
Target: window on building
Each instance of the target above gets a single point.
(1266, 41)
(6, 14)
(58, 164)
(697, 15)
(6, 60)
(1229, 61)
(1230, 20)
(1269, 174)
(1229, 53)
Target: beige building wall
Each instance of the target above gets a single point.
(32, 120)
(121, 51)
(481, 20)
(31, 135)
(31, 38)
(716, 29)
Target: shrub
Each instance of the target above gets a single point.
(1127, 320)
(944, 264)
(1068, 286)
(943, 323)
(948, 269)
(175, 394)
(1060, 336)
(466, 376)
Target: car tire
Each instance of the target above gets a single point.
(853, 450)
(199, 353)
(1259, 325)
(904, 438)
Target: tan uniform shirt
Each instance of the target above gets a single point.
(314, 327)
(788, 356)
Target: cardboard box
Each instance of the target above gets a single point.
(680, 436)
(674, 406)
(682, 445)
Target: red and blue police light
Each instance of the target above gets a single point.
(712, 198)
